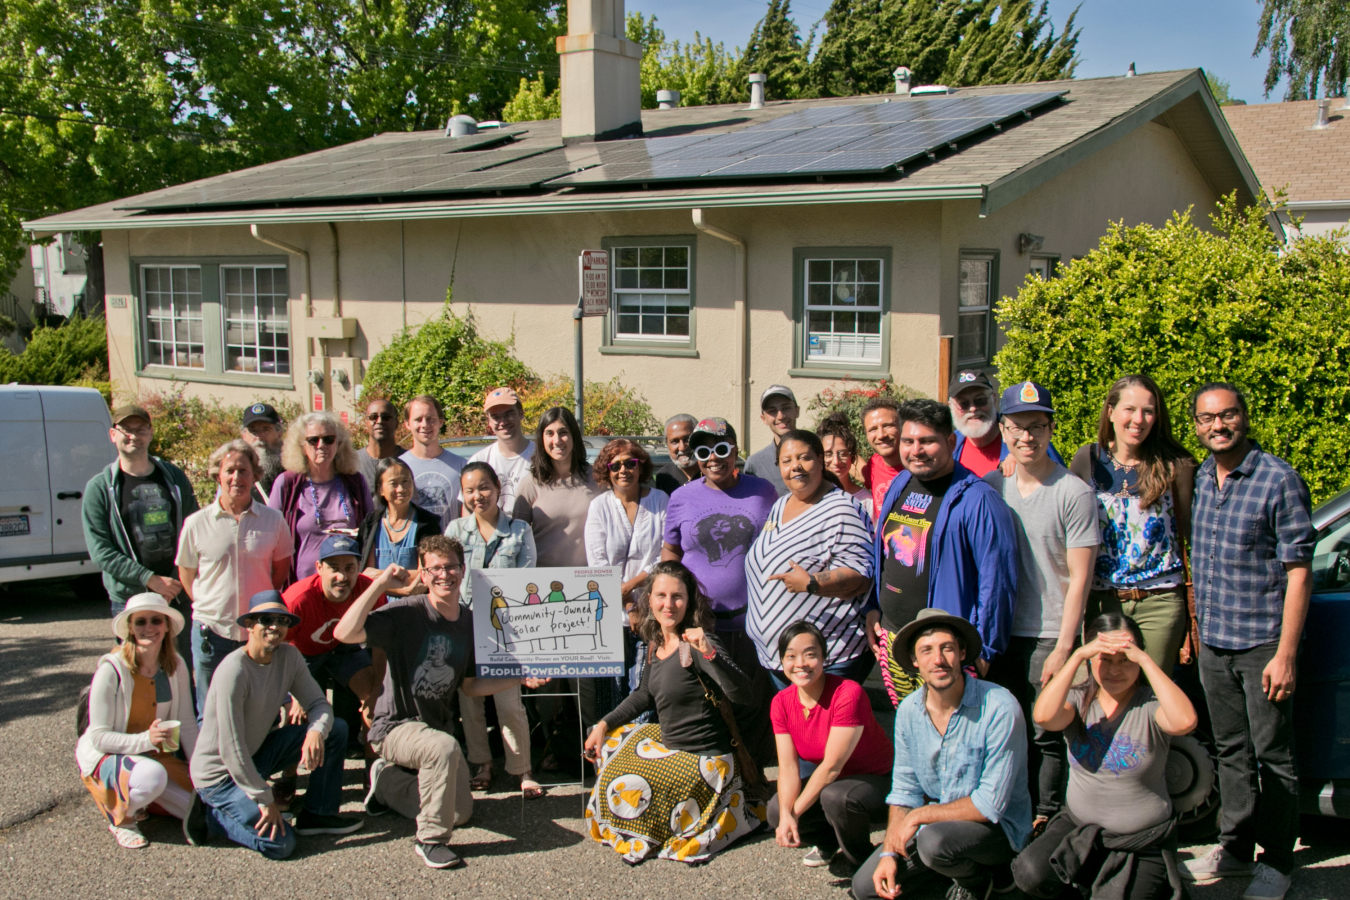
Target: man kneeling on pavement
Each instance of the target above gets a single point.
(962, 741)
(428, 638)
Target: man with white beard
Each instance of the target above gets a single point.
(262, 430)
(682, 467)
(974, 406)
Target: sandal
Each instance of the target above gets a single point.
(532, 789)
(482, 779)
(548, 763)
(129, 837)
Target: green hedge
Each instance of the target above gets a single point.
(1186, 306)
(75, 352)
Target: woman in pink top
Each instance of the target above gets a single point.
(834, 760)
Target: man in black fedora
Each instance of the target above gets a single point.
(963, 742)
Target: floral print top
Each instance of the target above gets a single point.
(1139, 547)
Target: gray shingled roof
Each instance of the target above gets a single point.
(513, 178)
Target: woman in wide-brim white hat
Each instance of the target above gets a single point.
(126, 754)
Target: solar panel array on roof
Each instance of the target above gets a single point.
(822, 140)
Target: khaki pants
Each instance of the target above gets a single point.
(1162, 618)
(514, 723)
(438, 796)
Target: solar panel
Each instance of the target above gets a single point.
(862, 138)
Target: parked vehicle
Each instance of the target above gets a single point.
(52, 441)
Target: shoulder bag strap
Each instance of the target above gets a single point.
(749, 767)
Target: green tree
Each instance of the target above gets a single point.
(775, 49)
(533, 102)
(700, 70)
(1187, 305)
(1307, 42)
(1222, 91)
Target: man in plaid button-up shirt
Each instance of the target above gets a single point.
(1252, 542)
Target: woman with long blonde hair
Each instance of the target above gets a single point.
(322, 491)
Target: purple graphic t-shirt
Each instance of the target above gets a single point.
(715, 530)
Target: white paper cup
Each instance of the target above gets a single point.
(171, 744)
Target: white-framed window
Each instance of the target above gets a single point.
(976, 303)
(652, 297)
(843, 310)
(172, 298)
(257, 328)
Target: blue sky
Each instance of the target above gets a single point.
(1218, 35)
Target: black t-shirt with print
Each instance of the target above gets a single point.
(907, 533)
(429, 656)
(147, 511)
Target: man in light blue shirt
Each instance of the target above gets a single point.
(960, 808)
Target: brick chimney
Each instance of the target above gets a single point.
(601, 91)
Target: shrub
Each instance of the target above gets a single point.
(850, 397)
(447, 358)
(1187, 306)
(611, 408)
(75, 352)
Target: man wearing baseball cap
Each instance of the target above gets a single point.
(1055, 519)
(261, 427)
(132, 513)
(510, 454)
(779, 411)
(975, 413)
(964, 822)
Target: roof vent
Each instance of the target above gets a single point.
(757, 90)
(1130, 72)
(461, 126)
(927, 90)
(1323, 115)
(903, 78)
(668, 99)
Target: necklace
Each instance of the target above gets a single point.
(342, 502)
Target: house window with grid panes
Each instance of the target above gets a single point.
(843, 311)
(173, 316)
(257, 324)
(651, 293)
(976, 303)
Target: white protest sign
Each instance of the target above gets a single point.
(594, 268)
(553, 622)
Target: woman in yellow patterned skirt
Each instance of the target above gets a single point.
(673, 790)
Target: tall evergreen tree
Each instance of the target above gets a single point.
(776, 50)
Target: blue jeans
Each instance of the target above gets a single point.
(231, 813)
(209, 650)
(854, 670)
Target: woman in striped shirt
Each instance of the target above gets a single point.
(811, 561)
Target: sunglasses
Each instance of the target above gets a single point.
(628, 464)
(268, 621)
(380, 417)
(325, 439)
(155, 621)
(721, 450)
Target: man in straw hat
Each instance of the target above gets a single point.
(963, 742)
(248, 688)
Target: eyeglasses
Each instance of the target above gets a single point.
(154, 621)
(979, 401)
(840, 455)
(439, 571)
(721, 450)
(133, 430)
(379, 416)
(326, 439)
(1229, 416)
(629, 464)
(1037, 431)
(269, 621)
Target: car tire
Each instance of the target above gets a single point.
(1192, 781)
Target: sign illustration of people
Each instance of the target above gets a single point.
(593, 595)
(555, 594)
(532, 594)
(498, 603)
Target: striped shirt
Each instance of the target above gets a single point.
(831, 534)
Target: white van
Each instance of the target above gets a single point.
(52, 441)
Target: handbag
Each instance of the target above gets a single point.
(1190, 645)
(755, 786)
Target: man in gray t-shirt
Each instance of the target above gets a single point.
(1055, 515)
(779, 411)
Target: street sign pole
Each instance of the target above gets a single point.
(593, 279)
(579, 402)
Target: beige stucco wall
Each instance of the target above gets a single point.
(519, 275)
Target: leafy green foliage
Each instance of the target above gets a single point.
(1222, 91)
(533, 102)
(611, 407)
(73, 353)
(1187, 305)
(850, 398)
(775, 49)
(1307, 42)
(703, 72)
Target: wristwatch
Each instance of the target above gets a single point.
(813, 586)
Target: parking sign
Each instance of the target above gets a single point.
(593, 266)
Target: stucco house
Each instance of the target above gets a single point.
(286, 278)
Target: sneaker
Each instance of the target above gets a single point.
(815, 857)
(373, 806)
(438, 856)
(1217, 863)
(957, 892)
(1267, 884)
(313, 823)
(195, 831)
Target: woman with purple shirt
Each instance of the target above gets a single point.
(322, 492)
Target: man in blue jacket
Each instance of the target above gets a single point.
(944, 539)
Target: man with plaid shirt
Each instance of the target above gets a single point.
(1252, 542)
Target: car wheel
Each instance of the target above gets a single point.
(1193, 784)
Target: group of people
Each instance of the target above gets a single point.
(963, 557)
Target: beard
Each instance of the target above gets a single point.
(684, 462)
(271, 461)
(973, 425)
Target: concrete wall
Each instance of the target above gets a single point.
(519, 275)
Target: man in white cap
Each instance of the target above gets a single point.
(779, 411)
(238, 748)
(510, 454)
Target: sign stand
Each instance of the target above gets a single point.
(581, 726)
(593, 279)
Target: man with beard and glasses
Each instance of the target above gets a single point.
(1252, 545)
(945, 539)
(382, 426)
(682, 468)
(262, 429)
(979, 445)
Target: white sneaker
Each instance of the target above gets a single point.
(1267, 884)
(1217, 863)
(815, 858)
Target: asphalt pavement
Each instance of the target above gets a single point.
(54, 845)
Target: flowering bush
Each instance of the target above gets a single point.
(850, 397)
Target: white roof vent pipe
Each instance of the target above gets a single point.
(668, 99)
(1323, 121)
(1130, 73)
(461, 126)
(757, 90)
(903, 78)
